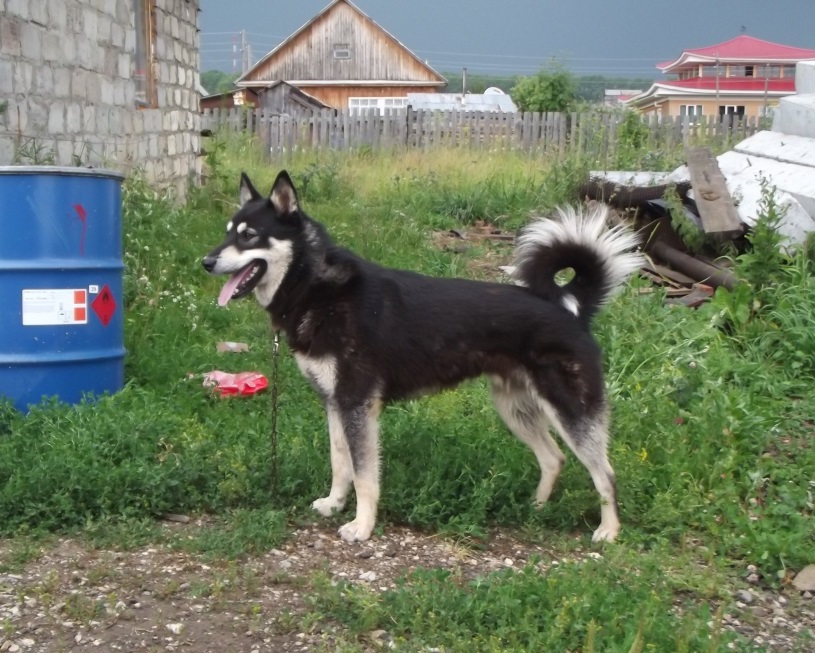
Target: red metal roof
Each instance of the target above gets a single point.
(746, 48)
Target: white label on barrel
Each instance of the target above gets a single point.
(45, 307)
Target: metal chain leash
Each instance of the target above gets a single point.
(275, 378)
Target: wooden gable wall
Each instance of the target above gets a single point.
(375, 56)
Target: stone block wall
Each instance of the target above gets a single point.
(68, 93)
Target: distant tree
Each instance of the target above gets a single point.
(217, 81)
(551, 89)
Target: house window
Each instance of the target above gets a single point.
(731, 110)
(342, 51)
(357, 104)
(691, 110)
(144, 75)
(749, 71)
(788, 72)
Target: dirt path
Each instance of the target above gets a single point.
(73, 598)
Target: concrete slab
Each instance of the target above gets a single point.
(786, 148)
(798, 181)
(630, 177)
(796, 115)
(805, 77)
(793, 183)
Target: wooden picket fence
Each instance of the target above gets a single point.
(595, 135)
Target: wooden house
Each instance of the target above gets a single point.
(344, 59)
(238, 97)
(283, 98)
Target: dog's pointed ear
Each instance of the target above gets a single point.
(247, 192)
(283, 196)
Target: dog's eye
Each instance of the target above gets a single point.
(249, 234)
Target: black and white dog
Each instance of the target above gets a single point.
(364, 335)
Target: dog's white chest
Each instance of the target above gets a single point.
(321, 372)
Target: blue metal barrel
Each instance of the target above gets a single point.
(61, 313)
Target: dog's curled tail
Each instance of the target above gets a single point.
(578, 238)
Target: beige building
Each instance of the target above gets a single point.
(745, 76)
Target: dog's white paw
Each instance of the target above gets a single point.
(606, 533)
(356, 531)
(327, 506)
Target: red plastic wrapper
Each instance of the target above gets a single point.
(242, 384)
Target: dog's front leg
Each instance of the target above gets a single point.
(361, 428)
(342, 471)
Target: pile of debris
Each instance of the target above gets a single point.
(689, 277)
(721, 198)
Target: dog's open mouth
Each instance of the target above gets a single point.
(242, 282)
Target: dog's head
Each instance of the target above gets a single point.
(258, 249)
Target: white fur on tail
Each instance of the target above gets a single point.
(614, 246)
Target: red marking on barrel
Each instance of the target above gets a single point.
(83, 218)
(104, 305)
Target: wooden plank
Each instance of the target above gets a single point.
(716, 209)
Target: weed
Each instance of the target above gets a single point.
(242, 532)
(524, 610)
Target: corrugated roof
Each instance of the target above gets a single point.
(743, 47)
(462, 102)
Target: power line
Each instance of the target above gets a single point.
(541, 56)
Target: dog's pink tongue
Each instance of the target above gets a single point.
(229, 286)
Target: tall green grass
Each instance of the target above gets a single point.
(712, 431)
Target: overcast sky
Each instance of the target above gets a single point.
(609, 37)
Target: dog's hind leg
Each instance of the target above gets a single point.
(587, 436)
(342, 471)
(361, 427)
(525, 417)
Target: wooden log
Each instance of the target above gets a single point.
(694, 268)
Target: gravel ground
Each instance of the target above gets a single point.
(75, 598)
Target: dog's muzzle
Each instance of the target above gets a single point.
(209, 263)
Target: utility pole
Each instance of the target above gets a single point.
(717, 82)
(766, 90)
(248, 56)
(464, 81)
(243, 51)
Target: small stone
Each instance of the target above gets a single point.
(27, 643)
(752, 579)
(390, 551)
(13, 648)
(380, 637)
(804, 581)
(365, 554)
(807, 595)
(319, 545)
(509, 562)
(285, 564)
(78, 638)
(175, 629)
(369, 576)
(745, 597)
